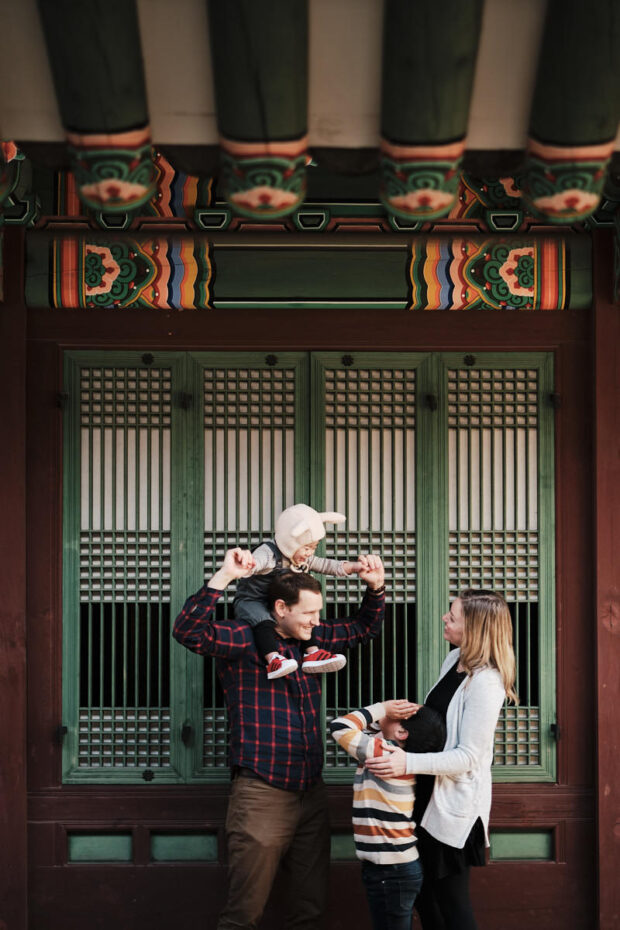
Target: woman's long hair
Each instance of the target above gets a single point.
(487, 636)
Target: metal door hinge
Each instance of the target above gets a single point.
(555, 731)
(184, 400)
(430, 401)
(62, 399)
(59, 734)
(187, 733)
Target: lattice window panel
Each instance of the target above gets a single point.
(124, 738)
(249, 455)
(125, 567)
(493, 423)
(370, 421)
(249, 447)
(503, 561)
(398, 553)
(118, 566)
(517, 737)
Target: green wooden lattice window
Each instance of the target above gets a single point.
(443, 467)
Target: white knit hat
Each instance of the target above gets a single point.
(299, 525)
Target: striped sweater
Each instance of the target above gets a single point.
(383, 827)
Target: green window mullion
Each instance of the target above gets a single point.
(432, 513)
(546, 581)
(187, 556)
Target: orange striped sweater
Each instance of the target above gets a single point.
(383, 827)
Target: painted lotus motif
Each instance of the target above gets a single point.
(568, 203)
(263, 199)
(518, 272)
(421, 202)
(100, 270)
(510, 188)
(113, 191)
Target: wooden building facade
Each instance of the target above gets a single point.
(424, 338)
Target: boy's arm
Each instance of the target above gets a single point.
(348, 731)
(195, 627)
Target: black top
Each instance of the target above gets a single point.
(439, 858)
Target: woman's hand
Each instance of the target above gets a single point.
(388, 766)
(400, 709)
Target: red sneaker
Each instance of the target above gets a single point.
(280, 666)
(315, 663)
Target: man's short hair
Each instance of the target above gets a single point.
(287, 586)
(427, 731)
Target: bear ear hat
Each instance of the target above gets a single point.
(300, 525)
(328, 516)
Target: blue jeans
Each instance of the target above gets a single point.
(391, 891)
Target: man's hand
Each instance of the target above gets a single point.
(400, 709)
(388, 766)
(372, 571)
(238, 563)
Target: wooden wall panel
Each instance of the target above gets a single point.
(606, 613)
(13, 907)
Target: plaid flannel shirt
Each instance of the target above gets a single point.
(275, 726)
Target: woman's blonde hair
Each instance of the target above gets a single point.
(487, 636)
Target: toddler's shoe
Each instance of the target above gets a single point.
(316, 663)
(280, 666)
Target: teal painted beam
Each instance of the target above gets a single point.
(423, 274)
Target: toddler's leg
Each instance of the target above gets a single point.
(256, 613)
(317, 661)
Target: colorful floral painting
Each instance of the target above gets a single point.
(467, 274)
(158, 273)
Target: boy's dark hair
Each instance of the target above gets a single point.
(287, 585)
(427, 731)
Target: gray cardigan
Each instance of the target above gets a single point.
(462, 790)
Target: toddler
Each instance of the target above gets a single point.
(298, 531)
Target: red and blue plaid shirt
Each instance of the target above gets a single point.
(275, 726)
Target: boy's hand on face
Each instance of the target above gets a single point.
(400, 709)
(372, 571)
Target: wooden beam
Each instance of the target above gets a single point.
(13, 851)
(606, 383)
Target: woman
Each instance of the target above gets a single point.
(453, 788)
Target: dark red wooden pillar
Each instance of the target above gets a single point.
(607, 581)
(13, 864)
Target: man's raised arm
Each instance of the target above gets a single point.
(344, 634)
(195, 627)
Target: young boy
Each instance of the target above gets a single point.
(298, 532)
(383, 828)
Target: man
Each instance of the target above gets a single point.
(277, 812)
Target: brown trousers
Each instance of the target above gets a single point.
(267, 828)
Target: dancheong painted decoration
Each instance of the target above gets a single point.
(158, 273)
(468, 274)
